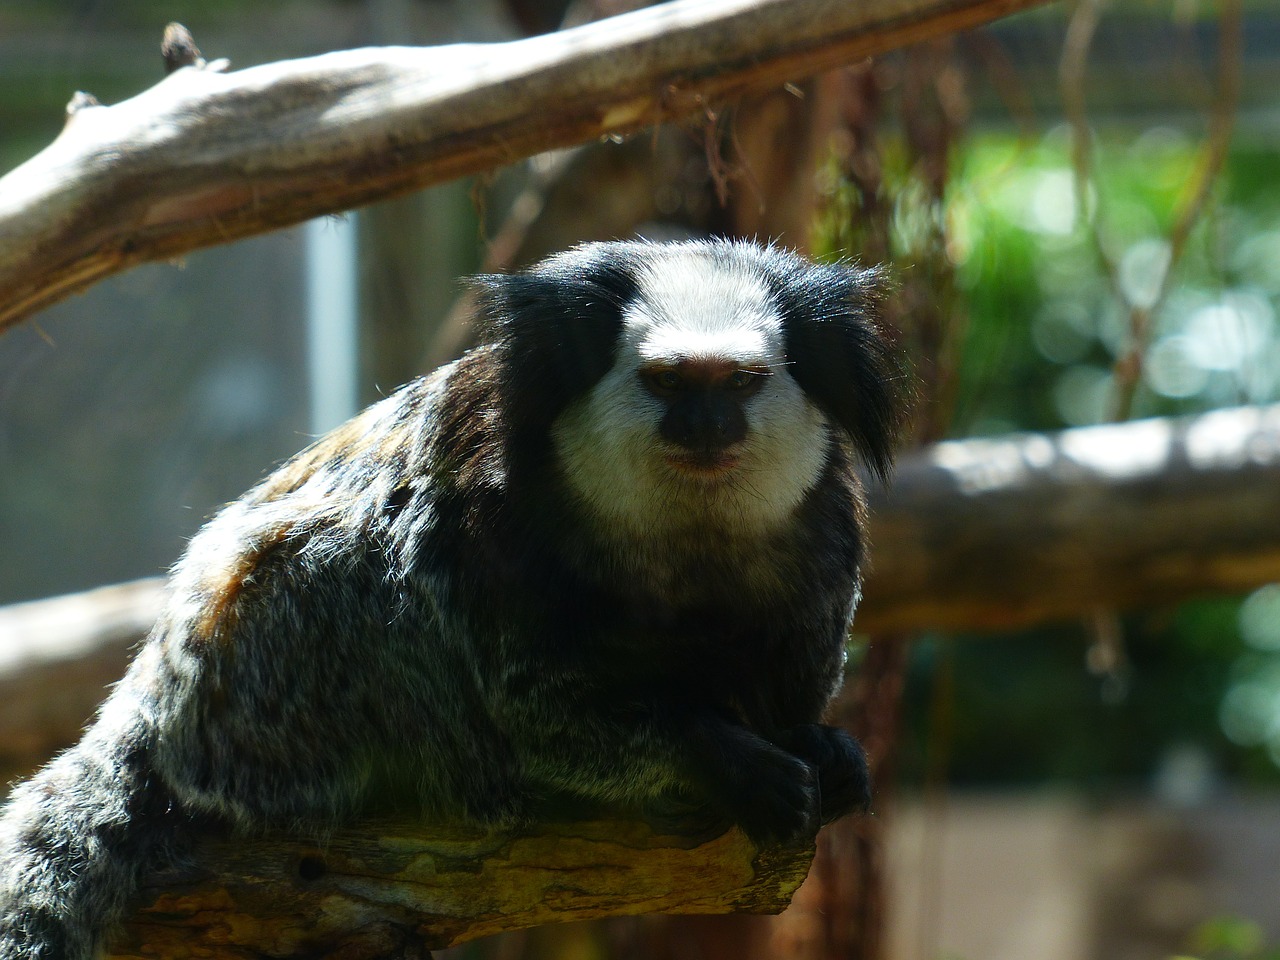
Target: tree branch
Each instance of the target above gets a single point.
(57, 657)
(392, 889)
(204, 157)
(992, 534)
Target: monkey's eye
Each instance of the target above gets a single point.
(663, 380)
(746, 381)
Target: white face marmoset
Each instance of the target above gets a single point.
(611, 554)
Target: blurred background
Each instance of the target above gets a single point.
(1081, 206)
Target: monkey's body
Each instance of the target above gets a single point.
(487, 587)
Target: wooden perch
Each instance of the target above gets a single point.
(205, 156)
(992, 534)
(57, 657)
(387, 890)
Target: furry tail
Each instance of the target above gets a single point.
(76, 839)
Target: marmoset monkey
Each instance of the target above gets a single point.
(610, 554)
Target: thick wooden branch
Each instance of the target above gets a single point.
(992, 534)
(206, 156)
(57, 657)
(385, 890)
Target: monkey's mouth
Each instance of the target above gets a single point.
(703, 466)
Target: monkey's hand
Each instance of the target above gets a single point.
(609, 743)
(844, 783)
(771, 793)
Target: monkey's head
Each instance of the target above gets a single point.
(700, 384)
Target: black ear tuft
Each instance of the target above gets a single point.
(556, 327)
(838, 353)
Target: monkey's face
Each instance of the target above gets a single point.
(697, 424)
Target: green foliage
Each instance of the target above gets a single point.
(1230, 938)
(1045, 312)
(1045, 321)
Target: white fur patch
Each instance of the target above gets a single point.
(692, 306)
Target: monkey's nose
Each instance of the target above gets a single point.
(705, 424)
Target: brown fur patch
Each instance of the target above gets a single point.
(470, 449)
(345, 443)
(223, 589)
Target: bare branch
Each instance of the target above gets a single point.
(1213, 153)
(57, 657)
(396, 889)
(205, 157)
(178, 49)
(992, 534)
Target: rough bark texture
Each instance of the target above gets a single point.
(994, 534)
(205, 156)
(395, 890)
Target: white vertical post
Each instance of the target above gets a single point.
(333, 359)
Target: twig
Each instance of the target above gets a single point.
(1213, 152)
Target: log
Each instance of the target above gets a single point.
(396, 889)
(985, 535)
(57, 657)
(207, 156)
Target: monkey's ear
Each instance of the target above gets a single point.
(841, 358)
(556, 328)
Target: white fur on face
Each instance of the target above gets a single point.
(692, 306)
